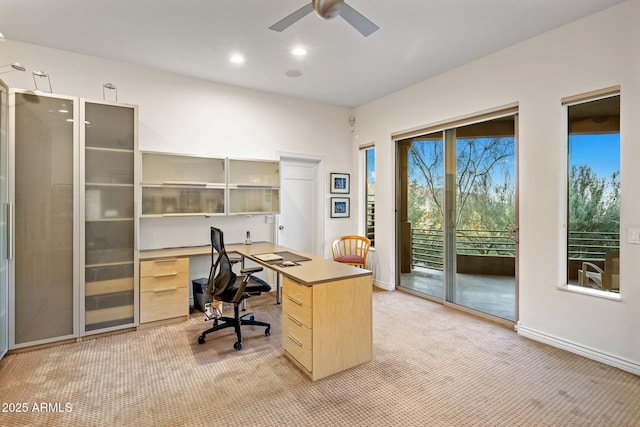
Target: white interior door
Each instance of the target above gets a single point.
(298, 222)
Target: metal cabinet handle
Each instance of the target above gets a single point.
(157, 291)
(294, 300)
(298, 343)
(294, 320)
(9, 230)
(166, 275)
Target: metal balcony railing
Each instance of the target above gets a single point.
(371, 220)
(427, 245)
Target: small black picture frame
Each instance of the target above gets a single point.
(340, 183)
(339, 207)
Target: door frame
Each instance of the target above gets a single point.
(319, 162)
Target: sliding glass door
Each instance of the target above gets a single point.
(458, 216)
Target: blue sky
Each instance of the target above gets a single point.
(600, 151)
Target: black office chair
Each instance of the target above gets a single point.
(225, 286)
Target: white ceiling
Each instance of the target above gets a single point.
(417, 39)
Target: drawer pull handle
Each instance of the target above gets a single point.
(166, 274)
(298, 343)
(294, 320)
(293, 300)
(157, 291)
(164, 261)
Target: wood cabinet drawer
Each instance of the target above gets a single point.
(302, 333)
(297, 292)
(297, 342)
(164, 267)
(151, 284)
(300, 312)
(164, 304)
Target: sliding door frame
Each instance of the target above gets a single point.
(448, 129)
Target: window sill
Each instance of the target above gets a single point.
(591, 292)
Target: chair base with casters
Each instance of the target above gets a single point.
(235, 322)
(225, 286)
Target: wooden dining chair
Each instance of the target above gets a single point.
(351, 250)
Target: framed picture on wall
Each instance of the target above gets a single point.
(340, 183)
(339, 207)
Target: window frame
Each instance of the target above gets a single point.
(364, 188)
(567, 102)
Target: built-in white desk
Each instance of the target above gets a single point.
(326, 306)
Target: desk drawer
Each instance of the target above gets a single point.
(296, 291)
(164, 267)
(164, 304)
(302, 333)
(151, 284)
(300, 312)
(297, 342)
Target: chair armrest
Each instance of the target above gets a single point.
(250, 270)
(587, 265)
(238, 296)
(596, 274)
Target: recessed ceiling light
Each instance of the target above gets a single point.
(237, 59)
(1, 37)
(299, 51)
(293, 73)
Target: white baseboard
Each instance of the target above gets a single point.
(385, 286)
(590, 353)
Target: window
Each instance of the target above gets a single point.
(369, 157)
(593, 190)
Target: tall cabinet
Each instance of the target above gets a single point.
(109, 233)
(4, 275)
(43, 197)
(71, 201)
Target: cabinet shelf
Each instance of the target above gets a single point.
(110, 219)
(107, 149)
(107, 184)
(109, 264)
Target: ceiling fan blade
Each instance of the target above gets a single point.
(357, 20)
(289, 20)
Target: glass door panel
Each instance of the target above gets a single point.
(109, 219)
(483, 216)
(44, 211)
(422, 219)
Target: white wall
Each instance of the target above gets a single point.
(596, 52)
(184, 115)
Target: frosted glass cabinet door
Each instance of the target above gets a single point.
(160, 168)
(109, 229)
(254, 172)
(44, 205)
(4, 275)
(254, 186)
(182, 185)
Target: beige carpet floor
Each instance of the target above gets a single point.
(432, 366)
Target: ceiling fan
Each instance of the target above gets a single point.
(328, 9)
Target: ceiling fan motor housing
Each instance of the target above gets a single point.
(328, 9)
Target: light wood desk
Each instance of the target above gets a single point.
(326, 307)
